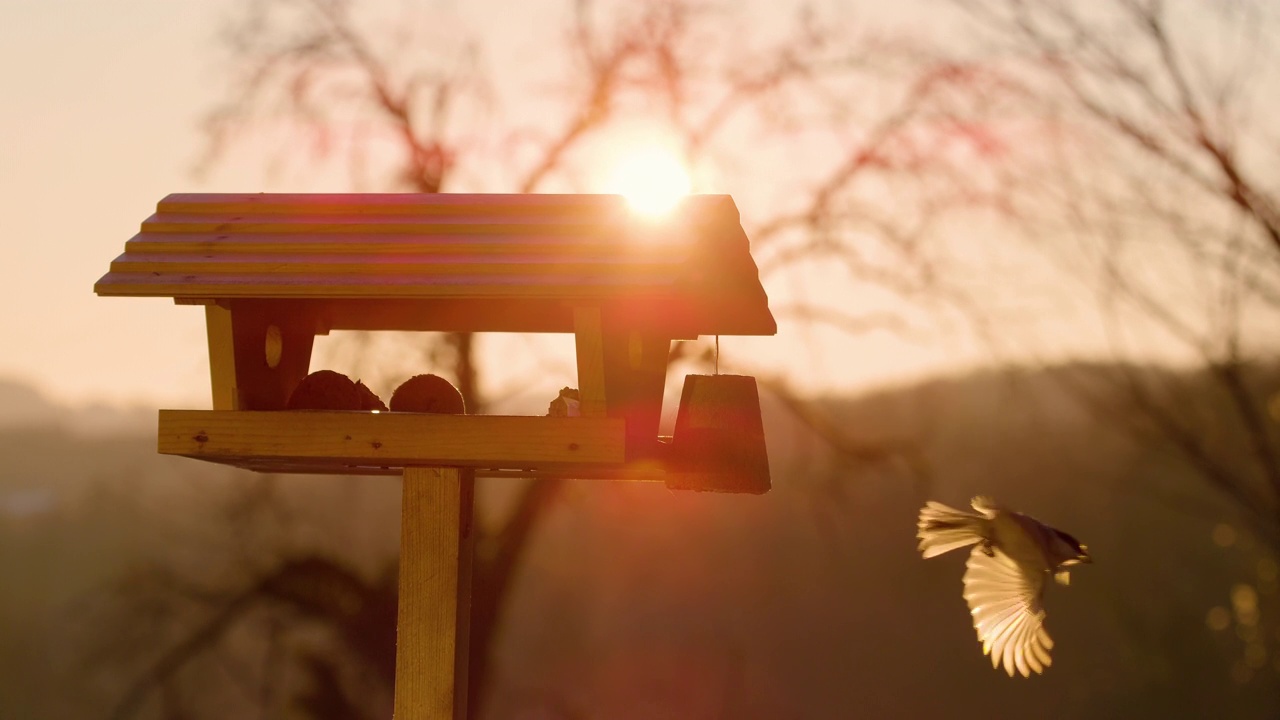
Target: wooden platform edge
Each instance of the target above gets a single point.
(319, 440)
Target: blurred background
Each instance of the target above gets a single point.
(1024, 249)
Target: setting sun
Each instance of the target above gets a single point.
(652, 179)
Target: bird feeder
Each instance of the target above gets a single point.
(274, 271)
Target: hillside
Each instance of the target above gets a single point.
(808, 602)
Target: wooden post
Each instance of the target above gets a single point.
(432, 626)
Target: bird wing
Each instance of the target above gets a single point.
(1005, 600)
(943, 529)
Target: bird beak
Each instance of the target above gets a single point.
(1083, 558)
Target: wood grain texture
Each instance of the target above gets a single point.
(513, 248)
(222, 360)
(635, 371)
(258, 385)
(392, 439)
(374, 286)
(646, 471)
(386, 203)
(348, 244)
(423, 265)
(433, 602)
(661, 467)
(588, 337)
(367, 225)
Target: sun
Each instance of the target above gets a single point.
(652, 179)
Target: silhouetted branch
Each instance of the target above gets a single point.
(1118, 78)
(313, 586)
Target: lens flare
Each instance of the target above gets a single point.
(652, 179)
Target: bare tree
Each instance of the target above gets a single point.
(1135, 149)
(1138, 156)
(335, 86)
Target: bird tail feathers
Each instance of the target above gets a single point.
(942, 529)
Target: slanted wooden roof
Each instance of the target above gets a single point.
(426, 261)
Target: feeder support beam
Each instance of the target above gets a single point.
(434, 610)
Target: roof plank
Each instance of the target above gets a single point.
(492, 248)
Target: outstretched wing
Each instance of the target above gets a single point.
(1005, 601)
(943, 529)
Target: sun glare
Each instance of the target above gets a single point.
(652, 179)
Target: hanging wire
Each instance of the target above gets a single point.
(717, 355)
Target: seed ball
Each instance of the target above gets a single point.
(325, 390)
(427, 394)
(369, 400)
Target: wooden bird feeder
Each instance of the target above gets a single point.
(274, 271)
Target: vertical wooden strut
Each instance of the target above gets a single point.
(588, 335)
(432, 623)
(258, 353)
(222, 358)
(621, 372)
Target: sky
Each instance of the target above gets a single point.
(100, 119)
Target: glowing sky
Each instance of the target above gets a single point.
(99, 120)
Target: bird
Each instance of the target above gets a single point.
(1005, 576)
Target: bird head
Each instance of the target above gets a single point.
(1068, 550)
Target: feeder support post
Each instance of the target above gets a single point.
(434, 610)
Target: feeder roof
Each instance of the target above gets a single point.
(525, 258)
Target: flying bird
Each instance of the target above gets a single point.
(1005, 576)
